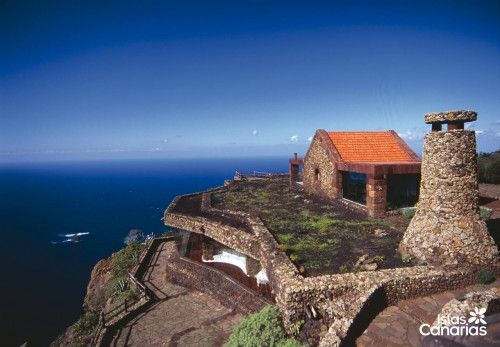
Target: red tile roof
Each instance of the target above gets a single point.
(369, 146)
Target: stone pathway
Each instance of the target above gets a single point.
(180, 317)
(398, 325)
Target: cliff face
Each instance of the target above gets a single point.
(100, 275)
(94, 301)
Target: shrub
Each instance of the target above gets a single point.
(489, 167)
(485, 276)
(408, 212)
(406, 259)
(123, 261)
(86, 324)
(261, 329)
(484, 213)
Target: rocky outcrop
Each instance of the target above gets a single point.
(100, 275)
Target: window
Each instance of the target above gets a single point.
(402, 190)
(354, 187)
(316, 174)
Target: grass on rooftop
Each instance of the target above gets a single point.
(319, 237)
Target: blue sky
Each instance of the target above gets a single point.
(83, 80)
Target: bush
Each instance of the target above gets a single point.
(408, 212)
(123, 261)
(406, 259)
(87, 323)
(261, 329)
(484, 213)
(489, 167)
(485, 276)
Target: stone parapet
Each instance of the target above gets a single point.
(234, 238)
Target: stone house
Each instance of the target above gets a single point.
(376, 170)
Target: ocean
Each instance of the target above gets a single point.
(43, 284)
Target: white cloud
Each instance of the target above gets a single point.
(294, 138)
(310, 138)
(479, 132)
(411, 135)
(255, 132)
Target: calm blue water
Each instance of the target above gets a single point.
(43, 285)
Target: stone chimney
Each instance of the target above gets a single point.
(446, 228)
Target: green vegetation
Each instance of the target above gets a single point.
(121, 264)
(123, 261)
(83, 330)
(318, 237)
(263, 328)
(484, 213)
(489, 167)
(378, 259)
(323, 224)
(485, 276)
(314, 264)
(408, 212)
(343, 269)
(406, 259)
(86, 324)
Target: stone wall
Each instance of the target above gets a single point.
(234, 238)
(446, 227)
(319, 173)
(190, 274)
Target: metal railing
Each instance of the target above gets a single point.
(259, 174)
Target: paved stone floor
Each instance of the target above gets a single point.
(398, 325)
(180, 317)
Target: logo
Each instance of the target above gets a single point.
(477, 316)
(457, 325)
